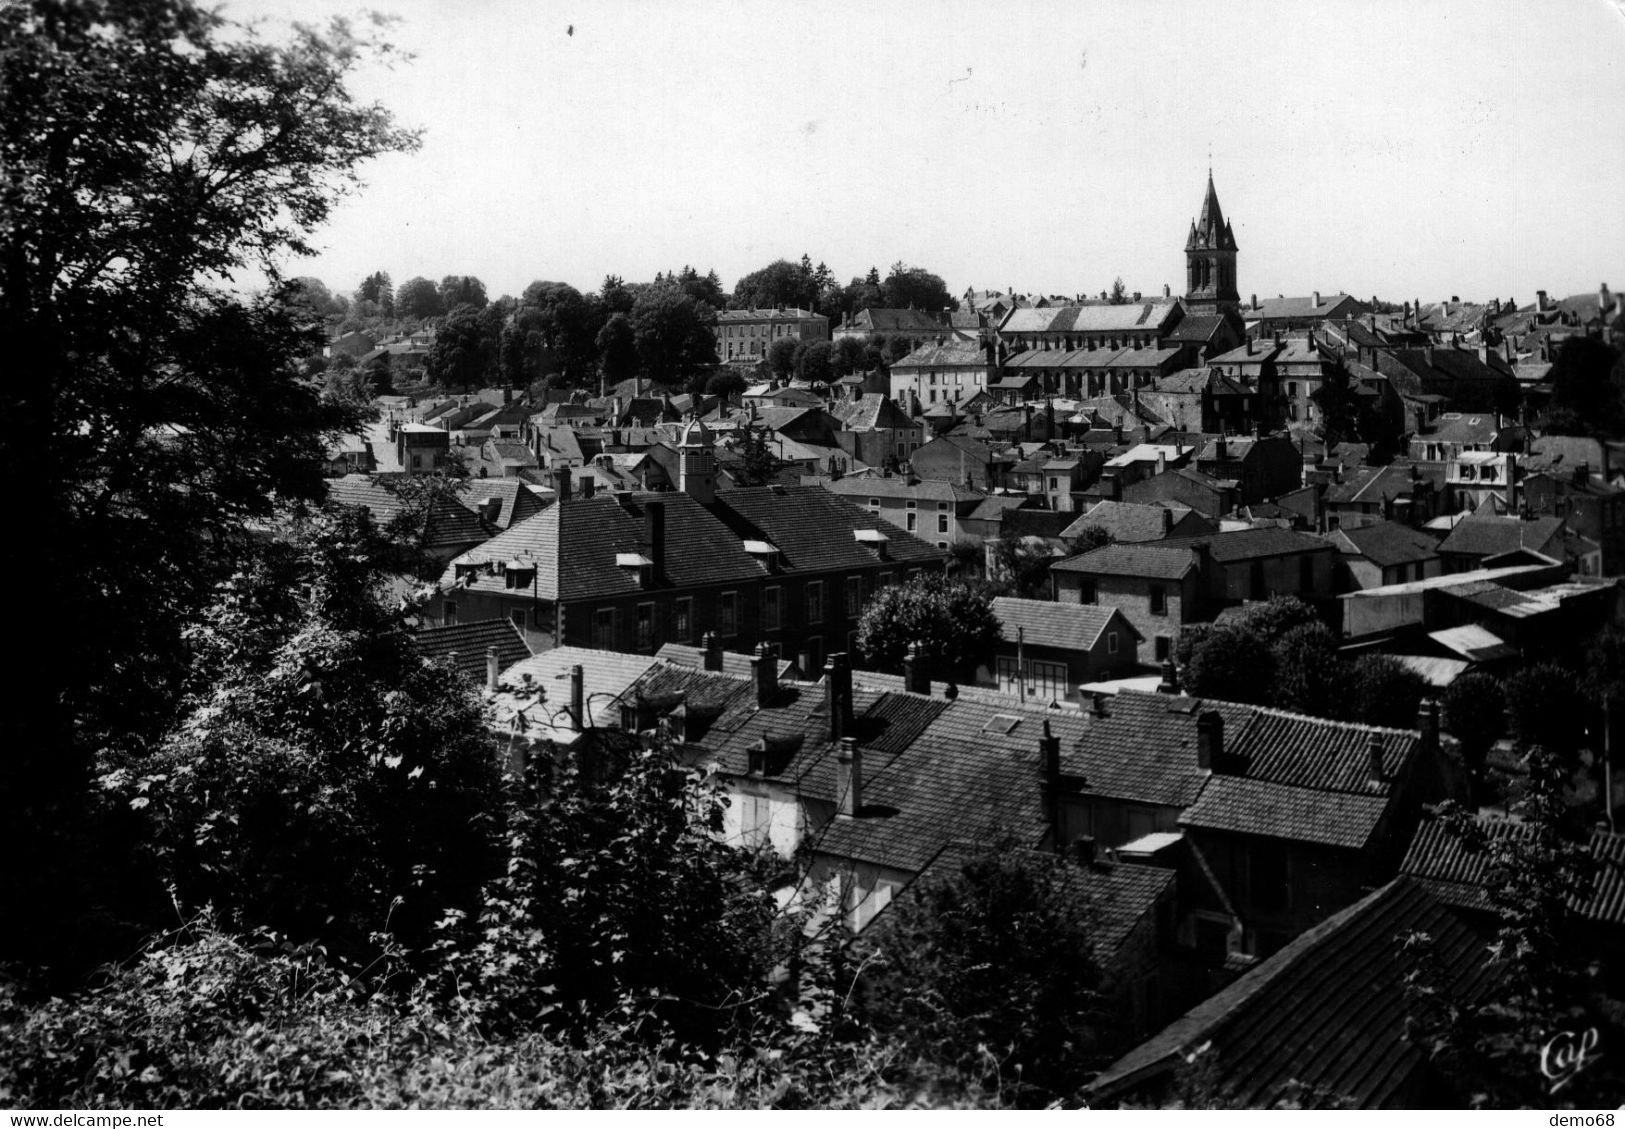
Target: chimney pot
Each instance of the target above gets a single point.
(1083, 849)
(1374, 749)
(712, 648)
(1170, 678)
(764, 670)
(913, 677)
(492, 669)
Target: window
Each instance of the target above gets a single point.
(1159, 600)
(874, 504)
(1111, 642)
(770, 609)
(728, 614)
(682, 619)
(754, 818)
(854, 596)
(1054, 482)
(603, 629)
(913, 524)
(1045, 682)
(646, 627)
(885, 580)
(1163, 647)
(517, 617)
(942, 523)
(1086, 591)
(451, 612)
(815, 601)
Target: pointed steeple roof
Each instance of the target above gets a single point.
(1211, 230)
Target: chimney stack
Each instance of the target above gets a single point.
(492, 669)
(838, 695)
(764, 669)
(1170, 678)
(1049, 756)
(849, 778)
(561, 482)
(914, 680)
(1209, 741)
(588, 485)
(1097, 705)
(712, 648)
(1167, 521)
(1427, 721)
(1374, 750)
(1540, 301)
(1317, 299)
(578, 698)
(654, 530)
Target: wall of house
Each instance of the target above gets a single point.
(1132, 596)
(763, 813)
(1282, 576)
(1277, 887)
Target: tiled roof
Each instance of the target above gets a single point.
(446, 524)
(468, 642)
(1129, 521)
(1457, 874)
(574, 544)
(879, 319)
(1253, 807)
(922, 489)
(1296, 307)
(517, 501)
(1249, 544)
(1327, 1013)
(1485, 534)
(1389, 543)
(1196, 327)
(1044, 623)
(734, 663)
(1112, 898)
(870, 411)
(965, 354)
(538, 688)
(1151, 560)
(1129, 317)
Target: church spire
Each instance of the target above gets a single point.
(1210, 256)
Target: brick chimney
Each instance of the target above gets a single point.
(654, 531)
(561, 483)
(1427, 722)
(589, 484)
(764, 669)
(1209, 741)
(914, 679)
(711, 651)
(849, 778)
(1170, 678)
(492, 669)
(1049, 756)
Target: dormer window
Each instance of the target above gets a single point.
(638, 566)
(764, 553)
(518, 574)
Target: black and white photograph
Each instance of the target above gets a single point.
(730, 555)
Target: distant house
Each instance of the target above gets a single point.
(1281, 314)
(928, 508)
(1365, 495)
(1131, 325)
(1133, 521)
(875, 430)
(1047, 650)
(969, 462)
(1262, 467)
(436, 524)
(936, 375)
(1485, 535)
(747, 334)
(1387, 552)
(917, 327)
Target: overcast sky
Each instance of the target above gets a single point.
(1402, 148)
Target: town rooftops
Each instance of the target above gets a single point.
(1387, 543)
(1129, 521)
(963, 354)
(1129, 317)
(1487, 534)
(1249, 544)
(437, 522)
(1044, 623)
(1315, 306)
(535, 693)
(1265, 1043)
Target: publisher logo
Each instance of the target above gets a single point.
(1565, 1055)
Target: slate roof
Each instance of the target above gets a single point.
(1388, 543)
(880, 319)
(1457, 874)
(468, 643)
(734, 663)
(1252, 807)
(1269, 308)
(869, 412)
(1069, 627)
(1195, 328)
(1327, 1012)
(963, 354)
(879, 486)
(538, 688)
(1128, 317)
(1159, 560)
(517, 500)
(813, 528)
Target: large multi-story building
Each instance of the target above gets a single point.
(744, 334)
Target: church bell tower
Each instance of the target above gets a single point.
(1210, 259)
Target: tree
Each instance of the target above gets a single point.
(562, 326)
(326, 781)
(705, 289)
(1020, 566)
(849, 356)
(990, 968)
(813, 363)
(377, 290)
(464, 352)
(1309, 676)
(1119, 293)
(462, 290)
(1233, 665)
(1583, 388)
(418, 298)
(1384, 691)
(152, 152)
(951, 622)
(617, 349)
(672, 333)
(780, 283)
(322, 302)
(915, 286)
(1544, 707)
(781, 357)
(758, 463)
(725, 384)
(1475, 714)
